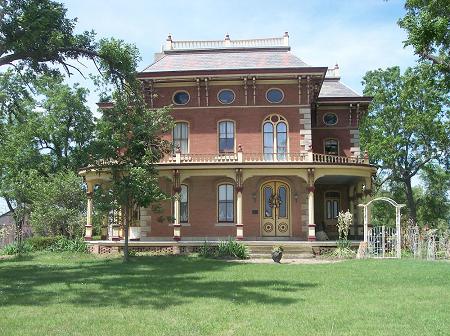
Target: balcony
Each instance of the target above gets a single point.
(249, 158)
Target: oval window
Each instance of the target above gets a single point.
(226, 96)
(330, 119)
(181, 98)
(274, 95)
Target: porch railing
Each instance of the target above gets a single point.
(179, 158)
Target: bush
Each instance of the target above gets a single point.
(17, 248)
(63, 244)
(207, 251)
(232, 248)
(39, 243)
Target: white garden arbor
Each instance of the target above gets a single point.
(370, 236)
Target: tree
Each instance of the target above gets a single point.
(434, 205)
(407, 123)
(58, 205)
(36, 34)
(36, 38)
(45, 134)
(427, 23)
(129, 139)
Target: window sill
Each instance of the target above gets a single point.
(225, 224)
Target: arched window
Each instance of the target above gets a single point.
(275, 137)
(225, 203)
(184, 204)
(332, 204)
(226, 136)
(331, 147)
(180, 137)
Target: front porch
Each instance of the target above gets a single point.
(275, 202)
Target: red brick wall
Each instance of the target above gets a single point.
(203, 133)
(203, 209)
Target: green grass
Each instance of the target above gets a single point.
(63, 294)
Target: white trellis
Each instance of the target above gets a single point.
(381, 242)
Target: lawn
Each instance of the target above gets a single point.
(50, 294)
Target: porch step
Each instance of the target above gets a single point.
(290, 251)
(285, 256)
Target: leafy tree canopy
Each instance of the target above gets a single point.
(36, 34)
(428, 25)
(407, 123)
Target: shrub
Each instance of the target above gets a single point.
(17, 248)
(207, 251)
(64, 244)
(39, 243)
(232, 248)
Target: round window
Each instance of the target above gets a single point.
(274, 95)
(330, 119)
(226, 96)
(181, 98)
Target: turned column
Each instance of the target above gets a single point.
(89, 214)
(176, 205)
(311, 189)
(239, 189)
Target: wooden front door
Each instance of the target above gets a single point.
(275, 209)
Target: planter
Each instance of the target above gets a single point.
(277, 255)
(135, 233)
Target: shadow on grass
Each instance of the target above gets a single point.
(158, 282)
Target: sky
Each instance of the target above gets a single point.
(358, 35)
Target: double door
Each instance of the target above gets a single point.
(275, 209)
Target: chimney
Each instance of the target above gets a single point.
(227, 42)
(286, 39)
(168, 43)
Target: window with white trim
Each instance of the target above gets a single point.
(226, 136)
(184, 204)
(180, 137)
(225, 202)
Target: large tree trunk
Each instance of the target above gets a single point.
(127, 225)
(410, 200)
(18, 222)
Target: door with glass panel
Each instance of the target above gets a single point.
(275, 135)
(275, 209)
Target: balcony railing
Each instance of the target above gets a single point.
(240, 157)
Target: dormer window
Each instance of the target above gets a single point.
(274, 96)
(181, 98)
(226, 96)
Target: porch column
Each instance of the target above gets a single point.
(239, 189)
(351, 198)
(311, 189)
(311, 225)
(90, 210)
(239, 225)
(176, 205)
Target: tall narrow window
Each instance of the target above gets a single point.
(331, 147)
(180, 137)
(226, 136)
(226, 203)
(332, 207)
(184, 204)
(275, 138)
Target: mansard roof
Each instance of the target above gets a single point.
(334, 88)
(235, 56)
(226, 60)
(227, 54)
